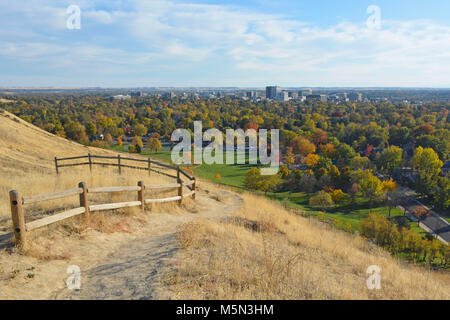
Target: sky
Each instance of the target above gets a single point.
(217, 43)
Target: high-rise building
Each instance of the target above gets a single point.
(282, 96)
(354, 97)
(272, 92)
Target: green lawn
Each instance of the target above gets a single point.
(345, 212)
(233, 175)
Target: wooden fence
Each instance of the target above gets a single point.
(17, 201)
(119, 162)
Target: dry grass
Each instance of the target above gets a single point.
(266, 252)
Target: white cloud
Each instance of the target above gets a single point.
(162, 34)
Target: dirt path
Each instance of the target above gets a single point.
(133, 271)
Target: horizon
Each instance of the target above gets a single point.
(216, 43)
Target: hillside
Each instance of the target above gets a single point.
(25, 148)
(222, 246)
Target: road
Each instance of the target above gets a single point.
(432, 223)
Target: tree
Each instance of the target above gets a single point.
(428, 166)
(109, 139)
(442, 196)
(359, 162)
(420, 213)
(154, 144)
(74, 130)
(319, 137)
(283, 172)
(353, 191)
(370, 185)
(312, 160)
(268, 183)
(308, 183)
(289, 157)
(337, 195)
(322, 200)
(345, 152)
(390, 159)
(392, 196)
(140, 130)
(328, 150)
(91, 129)
(252, 178)
(398, 136)
(137, 143)
(302, 146)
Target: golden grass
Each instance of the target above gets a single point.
(266, 252)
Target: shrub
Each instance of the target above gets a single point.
(337, 195)
(321, 199)
(132, 148)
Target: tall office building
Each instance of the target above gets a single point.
(282, 96)
(272, 92)
(354, 96)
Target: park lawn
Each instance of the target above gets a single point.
(345, 213)
(232, 175)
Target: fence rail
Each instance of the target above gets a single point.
(17, 201)
(61, 163)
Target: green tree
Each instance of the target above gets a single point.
(428, 166)
(137, 143)
(442, 196)
(140, 130)
(321, 199)
(370, 185)
(154, 144)
(390, 159)
(91, 129)
(252, 178)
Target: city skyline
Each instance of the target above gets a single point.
(225, 44)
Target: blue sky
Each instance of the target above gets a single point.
(249, 43)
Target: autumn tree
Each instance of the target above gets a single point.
(91, 129)
(322, 200)
(154, 144)
(392, 197)
(390, 159)
(428, 166)
(370, 185)
(137, 143)
(312, 160)
(303, 146)
(140, 130)
(289, 157)
(319, 137)
(252, 178)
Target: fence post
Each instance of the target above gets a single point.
(194, 187)
(141, 194)
(90, 162)
(18, 219)
(118, 162)
(178, 172)
(84, 199)
(180, 191)
(56, 165)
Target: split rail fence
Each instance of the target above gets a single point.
(17, 201)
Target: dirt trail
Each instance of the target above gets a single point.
(133, 271)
